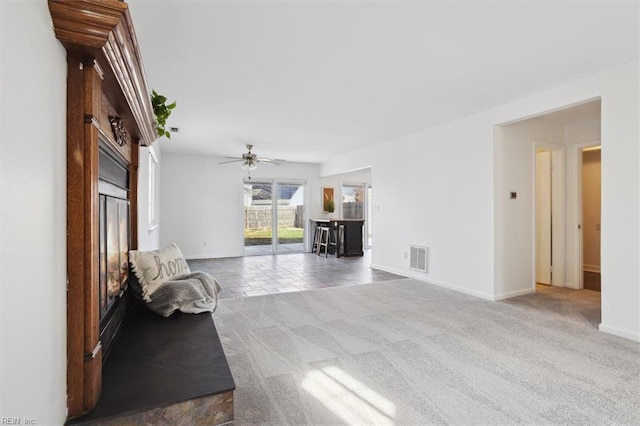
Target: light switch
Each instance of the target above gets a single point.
(513, 195)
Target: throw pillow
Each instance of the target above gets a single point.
(153, 268)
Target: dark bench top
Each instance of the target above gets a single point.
(156, 362)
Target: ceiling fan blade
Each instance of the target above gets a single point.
(268, 161)
(251, 159)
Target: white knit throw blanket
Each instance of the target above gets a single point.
(193, 293)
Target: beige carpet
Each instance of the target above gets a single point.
(406, 352)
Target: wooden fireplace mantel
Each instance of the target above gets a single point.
(108, 99)
(103, 30)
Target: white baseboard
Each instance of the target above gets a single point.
(619, 332)
(391, 270)
(591, 268)
(208, 256)
(510, 294)
(420, 277)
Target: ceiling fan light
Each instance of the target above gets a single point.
(249, 165)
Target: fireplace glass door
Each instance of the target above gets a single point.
(114, 250)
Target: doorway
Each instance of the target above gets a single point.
(549, 214)
(273, 217)
(516, 145)
(590, 210)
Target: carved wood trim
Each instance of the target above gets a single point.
(75, 234)
(92, 356)
(119, 130)
(123, 54)
(95, 32)
(85, 22)
(108, 133)
(103, 29)
(84, 355)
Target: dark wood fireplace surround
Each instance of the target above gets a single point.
(109, 111)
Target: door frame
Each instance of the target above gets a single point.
(363, 185)
(274, 182)
(576, 242)
(368, 215)
(558, 209)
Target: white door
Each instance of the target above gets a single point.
(543, 218)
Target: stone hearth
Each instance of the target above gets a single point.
(165, 370)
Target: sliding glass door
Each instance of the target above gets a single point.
(290, 217)
(258, 220)
(274, 217)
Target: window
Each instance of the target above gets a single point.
(153, 162)
(353, 201)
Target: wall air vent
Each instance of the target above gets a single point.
(419, 257)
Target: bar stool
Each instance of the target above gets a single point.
(316, 239)
(333, 239)
(323, 240)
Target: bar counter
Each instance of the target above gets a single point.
(348, 234)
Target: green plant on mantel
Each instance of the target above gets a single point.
(329, 206)
(162, 111)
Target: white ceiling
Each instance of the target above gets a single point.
(306, 80)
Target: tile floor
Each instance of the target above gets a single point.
(266, 249)
(258, 275)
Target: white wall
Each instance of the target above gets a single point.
(438, 188)
(357, 176)
(514, 221)
(434, 188)
(201, 201)
(336, 181)
(148, 236)
(620, 248)
(582, 131)
(33, 216)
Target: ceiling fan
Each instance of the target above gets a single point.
(250, 160)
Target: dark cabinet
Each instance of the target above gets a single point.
(348, 233)
(352, 238)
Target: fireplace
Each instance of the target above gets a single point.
(115, 242)
(109, 116)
